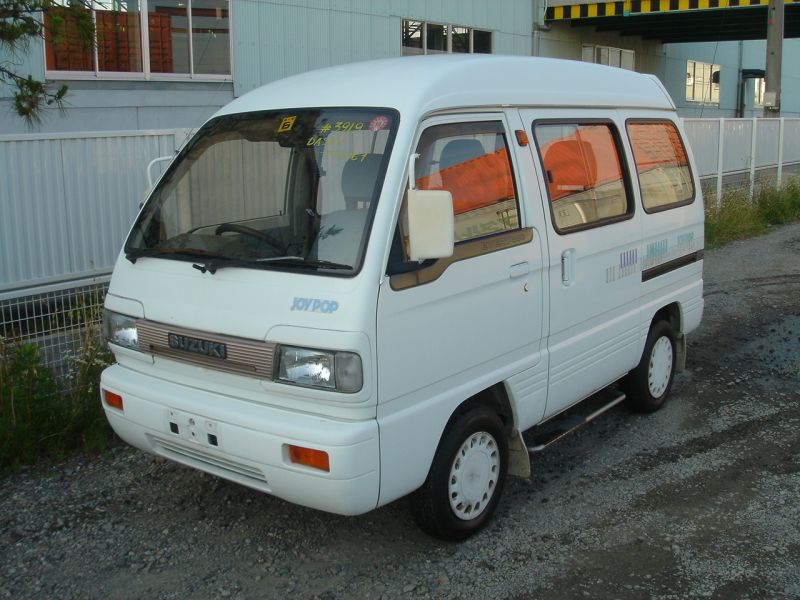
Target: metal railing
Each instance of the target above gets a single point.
(55, 321)
(744, 153)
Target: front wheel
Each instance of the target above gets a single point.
(648, 385)
(466, 478)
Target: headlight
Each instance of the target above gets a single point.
(120, 329)
(338, 371)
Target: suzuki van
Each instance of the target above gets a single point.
(365, 282)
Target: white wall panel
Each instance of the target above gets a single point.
(34, 243)
(791, 140)
(703, 138)
(250, 19)
(766, 135)
(318, 38)
(67, 202)
(738, 134)
(703, 135)
(283, 37)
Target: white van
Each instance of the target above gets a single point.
(367, 281)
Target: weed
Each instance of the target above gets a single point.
(38, 419)
(88, 428)
(28, 396)
(738, 217)
(779, 206)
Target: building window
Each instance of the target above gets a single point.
(606, 55)
(436, 38)
(481, 41)
(702, 82)
(188, 38)
(760, 88)
(459, 39)
(412, 38)
(420, 37)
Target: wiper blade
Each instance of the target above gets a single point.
(313, 263)
(218, 263)
(225, 261)
(137, 253)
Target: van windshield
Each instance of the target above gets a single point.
(292, 189)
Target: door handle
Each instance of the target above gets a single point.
(568, 267)
(519, 270)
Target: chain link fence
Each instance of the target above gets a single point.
(55, 321)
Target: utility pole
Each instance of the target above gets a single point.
(772, 91)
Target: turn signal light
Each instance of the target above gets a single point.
(113, 400)
(316, 459)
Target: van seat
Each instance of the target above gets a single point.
(460, 150)
(358, 181)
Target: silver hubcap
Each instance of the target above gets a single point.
(473, 476)
(660, 369)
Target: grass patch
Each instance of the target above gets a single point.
(738, 217)
(39, 419)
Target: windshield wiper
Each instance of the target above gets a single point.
(137, 253)
(295, 261)
(299, 261)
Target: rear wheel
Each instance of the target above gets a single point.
(648, 385)
(466, 478)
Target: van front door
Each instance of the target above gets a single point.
(450, 328)
(593, 233)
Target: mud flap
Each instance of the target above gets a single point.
(519, 460)
(680, 353)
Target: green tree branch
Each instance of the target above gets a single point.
(21, 21)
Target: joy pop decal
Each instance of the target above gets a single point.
(315, 305)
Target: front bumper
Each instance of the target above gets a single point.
(247, 443)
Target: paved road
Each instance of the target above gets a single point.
(698, 500)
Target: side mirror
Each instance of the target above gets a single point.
(431, 229)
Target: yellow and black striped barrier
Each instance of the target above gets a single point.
(642, 7)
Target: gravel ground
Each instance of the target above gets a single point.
(697, 500)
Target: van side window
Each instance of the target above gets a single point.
(584, 174)
(661, 164)
(471, 161)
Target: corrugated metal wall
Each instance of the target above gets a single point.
(67, 201)
(280, 38)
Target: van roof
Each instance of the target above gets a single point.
(423, 84)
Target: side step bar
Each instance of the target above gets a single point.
(571, 425)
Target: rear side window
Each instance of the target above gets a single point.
(661, 164)
(471, 161)
(584, 173)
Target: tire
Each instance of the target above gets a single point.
(466, 479)
(648, 385)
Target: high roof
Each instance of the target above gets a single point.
(423, 84)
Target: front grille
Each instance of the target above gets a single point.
(224, 467)
(247, 357)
